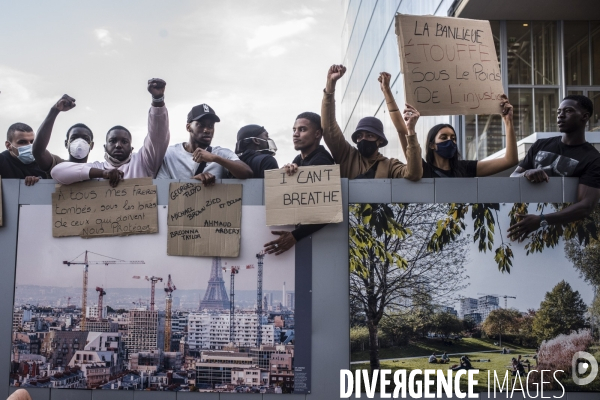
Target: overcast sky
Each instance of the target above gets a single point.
(531, 276)
(253, 61)
(44, 266)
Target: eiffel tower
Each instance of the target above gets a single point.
(215, 297)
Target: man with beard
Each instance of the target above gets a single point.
(569, 155)
(120, 161)
(17, 161)
(256, 149)
(196, 158)
(365, 162)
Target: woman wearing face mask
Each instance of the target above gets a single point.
(442, 159)
(256, 149)
(79, 141)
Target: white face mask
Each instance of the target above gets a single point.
(79, 148)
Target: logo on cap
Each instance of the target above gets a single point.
(206, 109)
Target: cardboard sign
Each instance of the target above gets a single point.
(312, 196)
(94, 209)
(449, 65)
(204, 221)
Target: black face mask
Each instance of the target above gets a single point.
(367, 148)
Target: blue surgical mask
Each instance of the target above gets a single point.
(446, 149)
(25, 154)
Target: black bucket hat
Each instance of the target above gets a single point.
(373, 125)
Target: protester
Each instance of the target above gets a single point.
(254, 148)
(442, 158)
(365, 162)
(120, 161)
(307, 134)
(196, 158)
(17, 161)
(569, 155)
(79, 141)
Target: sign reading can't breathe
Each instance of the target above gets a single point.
(313, 195)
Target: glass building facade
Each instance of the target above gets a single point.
(541, 62)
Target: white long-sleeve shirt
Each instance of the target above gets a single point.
(145, 163)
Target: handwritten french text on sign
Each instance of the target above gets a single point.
(449, 64)
(204, 221)
(94, 209)
(312, 196)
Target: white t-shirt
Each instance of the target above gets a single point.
(179, 164)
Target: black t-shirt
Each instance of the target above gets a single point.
(318, 157)
(468, 167)
(559, 159)
(259, 162)
(12, 168)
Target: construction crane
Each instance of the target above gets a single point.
(86, 263)
(101, 293)
(260, 258)
(169, 290)
(505, 296)
(152, 280)
(234, 270)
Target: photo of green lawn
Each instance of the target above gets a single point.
(433, 281)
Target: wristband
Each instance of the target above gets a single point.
(159, 100)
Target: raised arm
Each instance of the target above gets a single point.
(156, 142)
(394, 111)
(510, 159)
(40, 144)
(332, 133)
(587, 199)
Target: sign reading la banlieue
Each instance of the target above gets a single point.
(449, 65)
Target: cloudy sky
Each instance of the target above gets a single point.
(531, 276)
(253, 61)
(44, 266)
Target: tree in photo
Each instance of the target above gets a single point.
(391, 265)
(486, 219)
(502, 322)
(561, 312)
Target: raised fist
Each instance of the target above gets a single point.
(156, 87)
(384, 80)
(336, 72)
(65, 103)
(507, 108)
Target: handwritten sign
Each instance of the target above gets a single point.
(94, 209)
(204, 221)
(449, 65)
(311, 196)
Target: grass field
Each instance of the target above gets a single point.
(476, 349)
(428, 346)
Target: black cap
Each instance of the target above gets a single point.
(249, 131)
(373, 125)
(202, 111)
